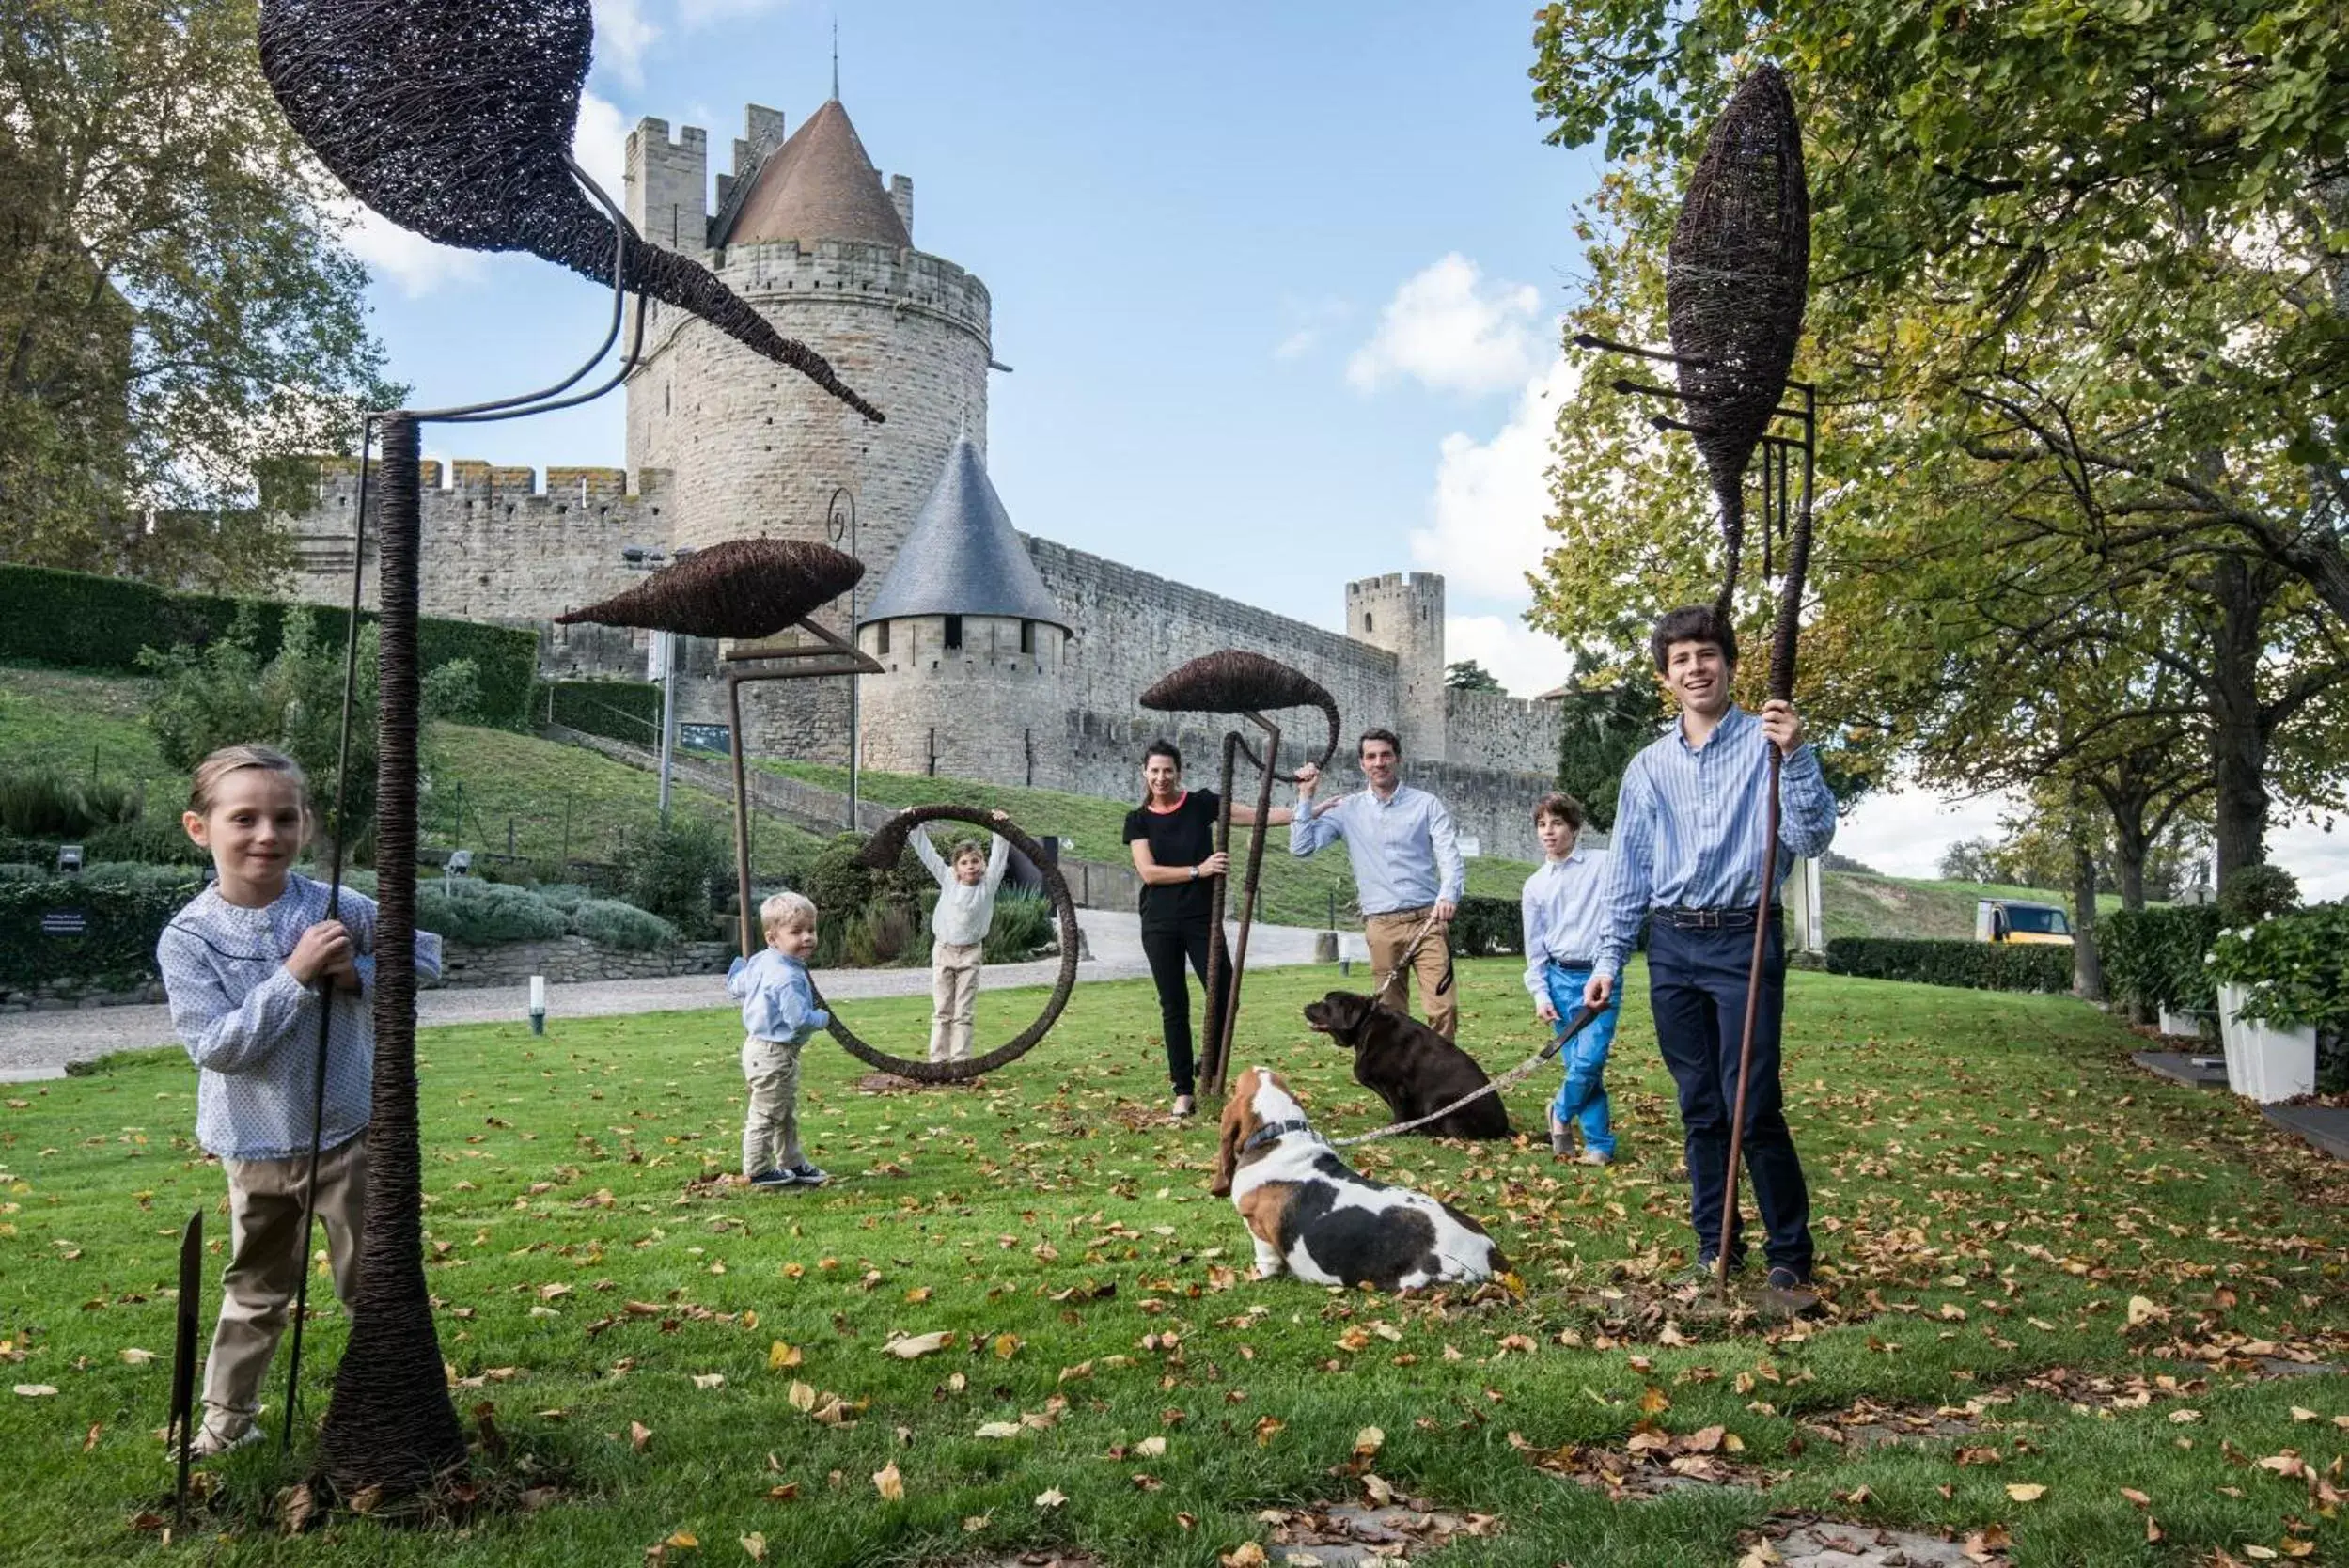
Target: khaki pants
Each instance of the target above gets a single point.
(266, 1258)
(1390, 935)
(771, 1124)
(953, 994)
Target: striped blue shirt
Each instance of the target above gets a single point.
(1689, 821)
(252, 1027)
(778, 999)
(1563, 910)
(1405, 854)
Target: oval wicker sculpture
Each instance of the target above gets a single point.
(880, 852)
(1735, 280)
(744, 588)
(454, 118)
(1234, 682)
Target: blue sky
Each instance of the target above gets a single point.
(1280, 287)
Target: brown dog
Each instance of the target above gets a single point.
(1408, 1065)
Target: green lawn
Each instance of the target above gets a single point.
(2077, 1264)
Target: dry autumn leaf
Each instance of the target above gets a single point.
(132, 1356)
(709, 1380)
(1001, 1429)
(638, 1436)
(1150, 1448)
(913, 1347)
(780, 1355)
(889, 1484)
(1050, 1497)
(1247, 1554)
(802, 1397)
(755, 1546)
(1368, 1441)
(35, 1390)
(2026, 1491)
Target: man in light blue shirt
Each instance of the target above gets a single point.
(1407, 873)
(1690, 821)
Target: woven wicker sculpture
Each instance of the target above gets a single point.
(1737, 275)
(744, 588)
(454, 118)
(1232, 681)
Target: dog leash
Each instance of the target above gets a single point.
(1581, 1021)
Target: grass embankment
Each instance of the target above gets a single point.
(2017, 1230)
(1863, 904)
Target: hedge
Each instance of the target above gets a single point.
(1978, 965)
(626, 710)
(80, 621)
(115, 944)
(1485, 926)
(2158, 958)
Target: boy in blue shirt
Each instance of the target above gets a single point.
(779, 1013)
(1565, 917)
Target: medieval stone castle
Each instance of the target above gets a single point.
(1008, 658)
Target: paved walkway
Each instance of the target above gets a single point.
(38, 1044)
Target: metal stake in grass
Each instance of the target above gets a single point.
(183, 1422)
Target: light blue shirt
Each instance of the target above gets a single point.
(1563, 911)
(252, 1029)
(778, 999)
(1689, 823)
(1405, 855)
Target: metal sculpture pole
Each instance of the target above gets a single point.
(840, 521)
(1737, 280)
(183, 1422)
(1218, 1049)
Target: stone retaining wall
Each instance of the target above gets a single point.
(569, 960)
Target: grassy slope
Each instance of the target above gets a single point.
(1860, 905)
(1992, 1181)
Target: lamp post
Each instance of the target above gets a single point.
(840, 521)
(637, 558)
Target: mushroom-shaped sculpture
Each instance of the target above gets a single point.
(743, 589)
(1735, 280)
(454, 118)
(1237, 681)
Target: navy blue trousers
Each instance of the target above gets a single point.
(1696, 988)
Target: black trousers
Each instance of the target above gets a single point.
(1168, 949)
(1697, 987)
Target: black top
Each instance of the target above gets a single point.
(1182, 837)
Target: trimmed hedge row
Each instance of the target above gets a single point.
(82, 622)
(1485, 926)
(1977, 966)
(626, 710)
(116, 942)
(2159, 958)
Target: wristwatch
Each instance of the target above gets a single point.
(1195, 874)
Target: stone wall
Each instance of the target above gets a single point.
(1489, 725)
(572, 959)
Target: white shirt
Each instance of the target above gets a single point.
(965, 910)
(1564, 913)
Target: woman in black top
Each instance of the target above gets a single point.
(1172, 833)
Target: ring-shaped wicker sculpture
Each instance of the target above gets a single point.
(880, 852)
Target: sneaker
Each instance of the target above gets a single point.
(803, 1175)
(1698, 1275)
(1184, 1105)
(210, 1442)
(1591, 1156)
(1784, 1279)
(769, 1179)
(1561, 1139)
(1788, 1293)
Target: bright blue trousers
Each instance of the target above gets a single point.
(1582, 1098)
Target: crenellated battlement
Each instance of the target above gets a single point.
(780, 271)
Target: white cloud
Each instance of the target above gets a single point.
(1528, 663)
(417, 264)
(1448, 327)
(623, 35)
(1487, 518)
(2318, 859)
(1903, 833)
(600, 142)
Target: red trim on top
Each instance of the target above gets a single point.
(1166, 810)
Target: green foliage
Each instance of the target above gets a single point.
(626, 710)
(51, 805)
(618, 925)
(883, 933)
(1022, 926)
(2256, 893)
(465, 910)
(117, 946)
(1483, 927)
(1978, 965)
(1469, 675)
(2159, 958)
(1602, 727)
(78, 621)
(158, 839)
(566, 896)
(673, 870)
(2296, 967)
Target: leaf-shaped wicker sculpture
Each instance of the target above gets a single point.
(1234, 682)
(454, 117)
(1737, 275)
(744, 588)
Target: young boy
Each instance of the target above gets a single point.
(1565, 917)
(779, 1013)
(967, 907)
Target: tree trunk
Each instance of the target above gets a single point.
(391, 1424)
(2088, 970)
(2238, 736)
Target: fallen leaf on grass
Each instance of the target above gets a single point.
(1266, 1427)
(35, 1390)
(889, 1484)
(1050, 1498)
(132, 1357)
(974, 1523)
(803, 1397)
(1007, 1346)
(780, 1355)
(2141, 1310)
(90, 1440)
(913, 1347)
(1001, 1429)
(2137, 1496)
(2026, 1491)
(1150, 1448)
(1368, 1441)
(638, 1436)
(1247, 1554)
(755, 1544)
(709, 1380)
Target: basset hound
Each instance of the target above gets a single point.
(1314, 1216)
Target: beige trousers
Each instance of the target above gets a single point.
(771, 1123)
(1388, 935)
(266, 1256)
(953, 995)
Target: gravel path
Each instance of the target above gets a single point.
(38, 1044)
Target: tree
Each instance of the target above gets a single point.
(176, 313)
(1606, 716)
(1969, 860)
(1470, 676)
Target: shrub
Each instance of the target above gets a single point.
(43, 805)
(1980, 966)
(626, 710)
(567, 896)
(484, 911)
(158, 840)
(2256, 893)
(116, 942)
(2155, 958)
(672, 869)
(1486, 926)
(621, 925)
(1022, 925)
(2296, 967)
(141, 874)
(882, 933)
(24, 871)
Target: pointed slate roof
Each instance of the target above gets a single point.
(818, 185)
(961, 557)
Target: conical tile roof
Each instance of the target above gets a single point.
(818, 185)
(962, 557)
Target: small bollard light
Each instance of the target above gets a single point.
(538, 1004)
(1345, 966)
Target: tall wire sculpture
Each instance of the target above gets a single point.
(453, 118)
(1737, 276)
(1234, 682)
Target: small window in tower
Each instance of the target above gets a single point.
(1027, 636)
(880, 638)
(954, 631)
(1368, 624)
(665, 399)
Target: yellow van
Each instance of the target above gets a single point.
(2015, 921)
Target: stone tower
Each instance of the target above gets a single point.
(804, 230)
(971, 641)
(1405, 616)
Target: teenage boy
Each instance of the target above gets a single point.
(1561, 913)
(1686, 855)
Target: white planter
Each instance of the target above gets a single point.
(2183, 1025)
(2265, 1062)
